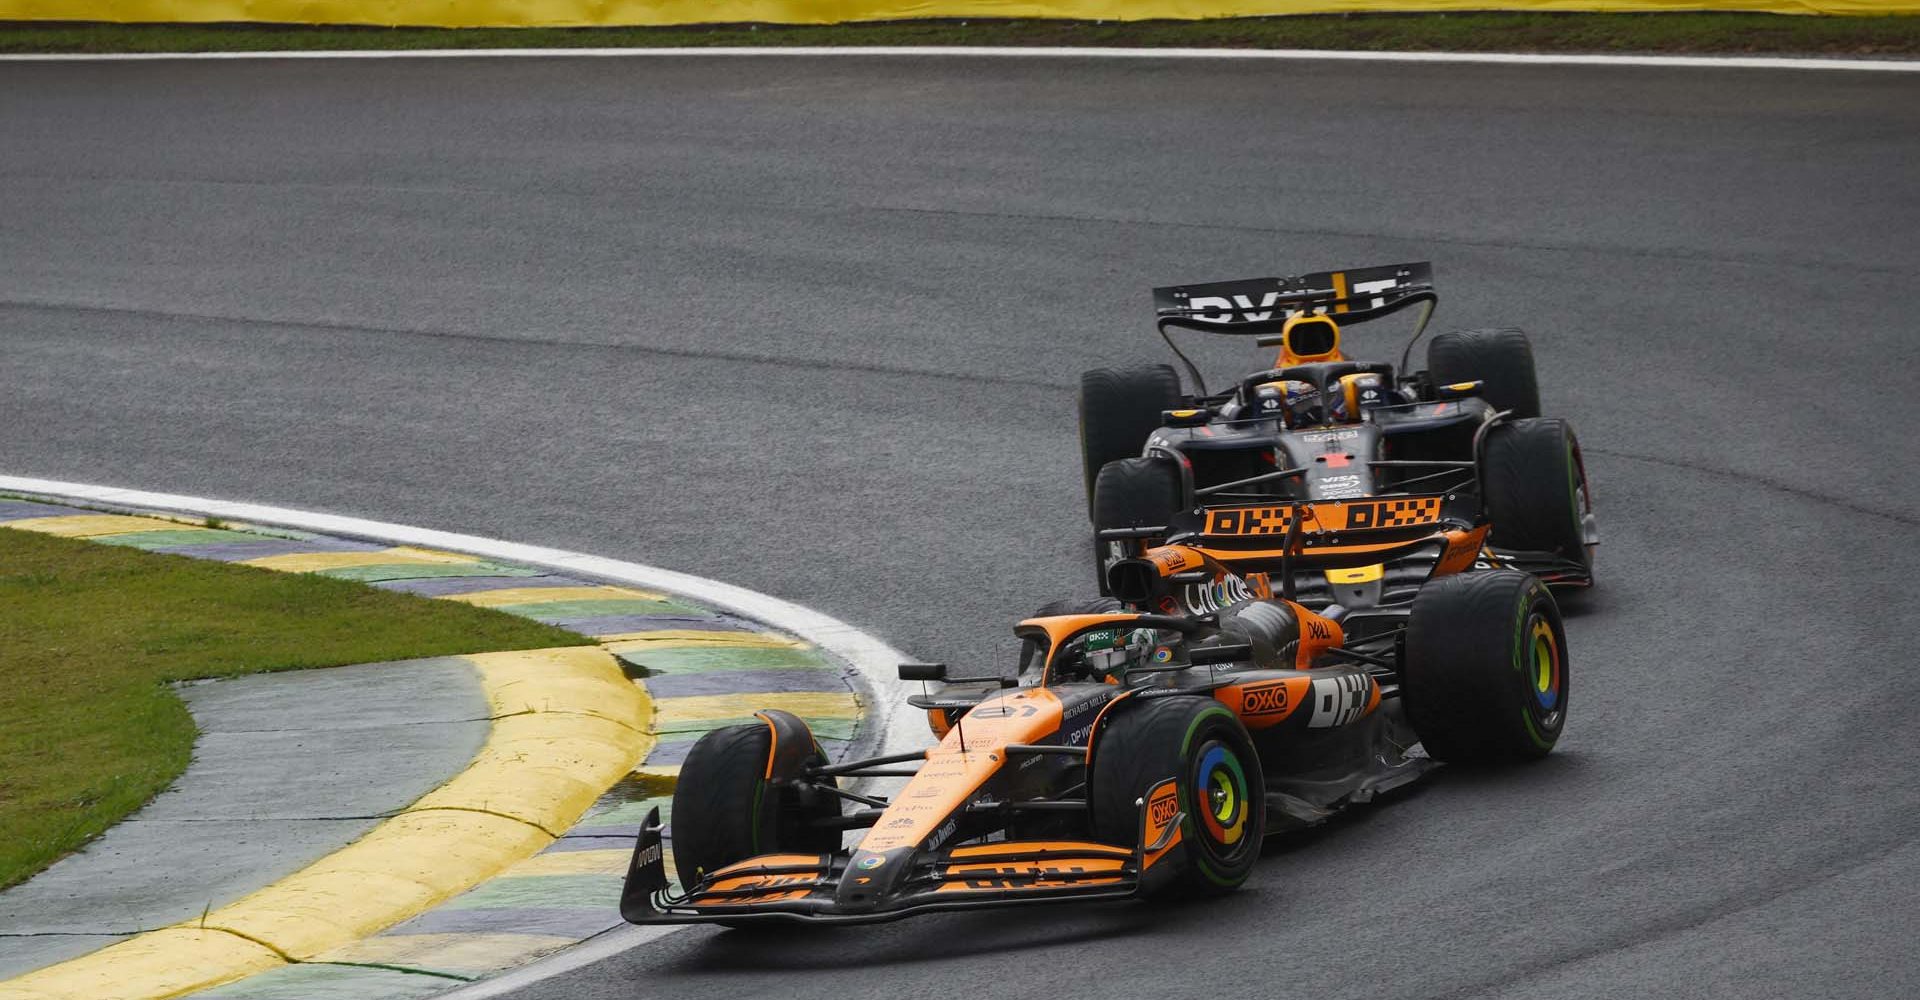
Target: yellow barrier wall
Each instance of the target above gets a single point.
(571, 13)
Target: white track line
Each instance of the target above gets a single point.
(997, 52)
(873, 658)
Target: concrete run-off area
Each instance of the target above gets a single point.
(288, 768)
(396, 830)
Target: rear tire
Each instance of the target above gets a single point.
(1503, 359)
(1222, 789)
(1485, 677)
(1534, 489)
(1119, 407)
(726, 810)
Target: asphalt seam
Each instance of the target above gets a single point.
(1408, 237)
(775, 361)
(1755, 479)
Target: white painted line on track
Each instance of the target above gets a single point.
(1017, 52)
(873, 658)
(594, 949)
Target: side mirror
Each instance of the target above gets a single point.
(1185, 418)
(923, 671)
(1460, 390)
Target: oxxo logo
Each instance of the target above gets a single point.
(1162, 810)
(1264, 699)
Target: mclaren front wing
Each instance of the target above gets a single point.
(863, 887)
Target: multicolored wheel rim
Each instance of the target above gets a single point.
(1221, 790)
(1546, 671)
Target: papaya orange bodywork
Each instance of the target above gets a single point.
(950, 776)
(1317, 635)
(1463, 547)
(1088, 862)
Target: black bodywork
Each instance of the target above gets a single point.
(1414, 439)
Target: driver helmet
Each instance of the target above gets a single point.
(1111, 653)
(1356, 394)
(1298, 403)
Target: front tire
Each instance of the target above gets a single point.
(726, 809)
(1136, 493)
(1534, 487)
(1142, 492)
(1503, 359)
(1119, 408)
(1202, 745)
(1485, 677)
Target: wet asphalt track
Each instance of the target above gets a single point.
(811, 327)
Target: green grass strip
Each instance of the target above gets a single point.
(91, 635)
(1724, 33)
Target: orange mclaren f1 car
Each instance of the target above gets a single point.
(1129, 753)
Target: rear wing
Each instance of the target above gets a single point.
(1262, 305)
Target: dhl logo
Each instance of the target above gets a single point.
(1349, 516)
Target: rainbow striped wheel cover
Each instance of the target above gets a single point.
(1546, 664)
(1223, 787)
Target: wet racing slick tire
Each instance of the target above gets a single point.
(726, 808)
(1534, 487)
(1484, 678)
(1119, 407)
(1136, 493)
(1503, 359)
(1222, 790)
(1142, 492)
